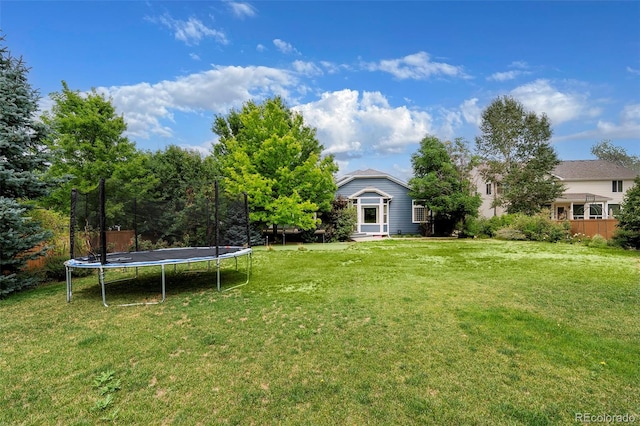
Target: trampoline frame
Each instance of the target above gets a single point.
(103, 267)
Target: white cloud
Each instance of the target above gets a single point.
(191, 32)
(350, 125)
(417, 66)
(260, 48)
(307, 68)
(519, 64)
(471, 111)
(330, 67)
(504, 76)
(628, 127)
(633, 71)
(541, 97)
(194, 56)
(284, 47)
(147, 107)
(242, 10)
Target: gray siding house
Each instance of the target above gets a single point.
(382, 201)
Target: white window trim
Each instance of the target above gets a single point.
(414, 207)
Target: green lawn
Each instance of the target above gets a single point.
(387, 332)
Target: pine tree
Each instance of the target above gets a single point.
(22, 162)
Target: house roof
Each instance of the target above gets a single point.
(581, 197)
(592, 170)
(369, 174)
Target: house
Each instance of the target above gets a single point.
(383, 204)
(594, 189)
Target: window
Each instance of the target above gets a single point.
(616, 186)
(578, 211)
(419, 213)
(370, 214)
(384, 213)
(614, 210)
(595, 211)
(488, 190)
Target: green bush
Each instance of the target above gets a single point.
(534, 228)
(510, 234)
(626, 238)
(598, 241)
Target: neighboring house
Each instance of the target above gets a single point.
(383, 204)
(594, 189)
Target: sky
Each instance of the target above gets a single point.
(372, 77)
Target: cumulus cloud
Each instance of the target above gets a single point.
(284, 47)
(242, 10)
(350, 124)
(148, 107)
(471, 111)
(417, 66)
(191, 31)
(260, 47)
(628, 127)
(541, 97)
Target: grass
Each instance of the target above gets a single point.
(387, 332)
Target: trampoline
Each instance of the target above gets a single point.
(222, 236)
(161, 257)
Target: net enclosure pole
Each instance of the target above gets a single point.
(72, 223)
(217, 218)
(103, 220)
(246, 217)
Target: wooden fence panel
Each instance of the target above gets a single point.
(591, 227)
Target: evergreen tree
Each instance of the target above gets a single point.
(628, 232)
(22, 163)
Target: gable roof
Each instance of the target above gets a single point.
(369, 174)
(592, 170)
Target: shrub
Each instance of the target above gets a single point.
(341, 220)
(534, 228)
(598, 241)
(510, 234)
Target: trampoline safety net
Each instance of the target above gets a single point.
(202, 216)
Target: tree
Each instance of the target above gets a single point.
(605, 150)
(22, 163)
(441, 182)
(628, 232)
(268, 152)
(86, 144)
(184, 185)
(515, 148)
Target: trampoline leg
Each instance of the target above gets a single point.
(102, 285)
(68, 271)
(164, 293)
(218, 272)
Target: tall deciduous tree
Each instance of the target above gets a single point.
(515, 148)
(22, 163)
(605, 150)
(87, 143)
(441, 182)
(267, 151)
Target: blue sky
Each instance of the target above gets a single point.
(372, 77)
